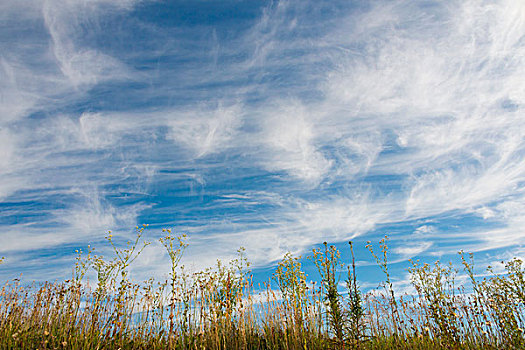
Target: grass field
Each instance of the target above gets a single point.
(219, 308)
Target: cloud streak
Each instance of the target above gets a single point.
(285, 125)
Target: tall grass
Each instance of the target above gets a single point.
(220, 308)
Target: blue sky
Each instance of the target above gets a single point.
(273, 125)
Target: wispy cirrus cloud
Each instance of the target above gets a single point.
(278, 127)
(69, 24)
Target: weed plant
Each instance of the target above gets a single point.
(219, 308)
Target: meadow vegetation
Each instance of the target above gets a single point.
(220, 308)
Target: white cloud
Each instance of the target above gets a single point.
(439, 84)
(400, 110)
(15, 98)
(336, 218)
(289, 134)
(425, 229)
(205, 132)
(99, 131)
(92, 215)
(82, 65)
(411, 250)
(8, 146)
